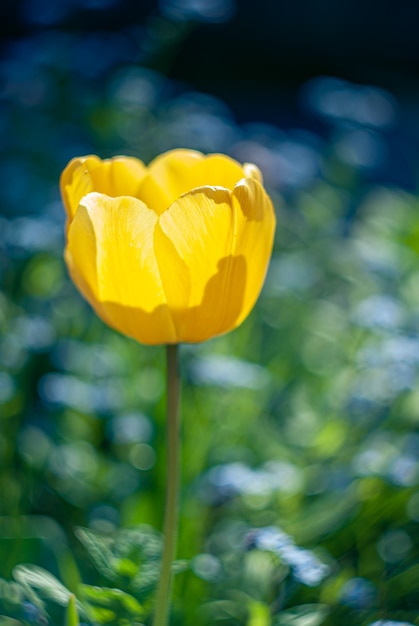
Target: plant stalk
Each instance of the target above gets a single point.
(170, 526)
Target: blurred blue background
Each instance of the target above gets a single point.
(301, 429)
(76, 76)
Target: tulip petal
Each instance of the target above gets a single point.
(216, 170)
(179, 171)
(120, 176)
(76, 182)
(199, 225)
(110, 255)
(193, 242)
(168, 177)
(255, 229)
(252, 171)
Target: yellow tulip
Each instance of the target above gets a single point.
(173, 252)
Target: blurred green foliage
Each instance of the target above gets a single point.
(300, 497)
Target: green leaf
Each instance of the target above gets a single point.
(132, 553)
(305, 615)
(49, 586)
(102, 615)
(179, 566)
(112, 598)
(259, 614)
(11, 591)
(68, 569)
(99, 549)
(71, 616)
(109, 605)
(15, 593)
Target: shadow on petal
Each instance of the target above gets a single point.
(218, 312)
(221, 305)
(148, 327)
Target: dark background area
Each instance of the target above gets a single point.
(254, 56)
(271, 47)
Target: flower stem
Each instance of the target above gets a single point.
(170, 529)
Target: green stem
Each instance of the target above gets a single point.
(170, 529)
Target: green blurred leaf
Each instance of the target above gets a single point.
(11, 591)
(14, 594)
(38, 578)
(259, 614)
(122, 552)
(305, 615)
(103, 615)
(71, 617)
(107, 597)
(99, 550)
(68, 569)
(132, 553)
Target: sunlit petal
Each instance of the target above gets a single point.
(111, 258)
(216, 170)
(199, 227)
(254, 235)
(120, 176)
(168, 177)
(252, 171)
(114, 177)
(179, 171)
(76, 182)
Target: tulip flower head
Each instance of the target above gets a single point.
(169, 253)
